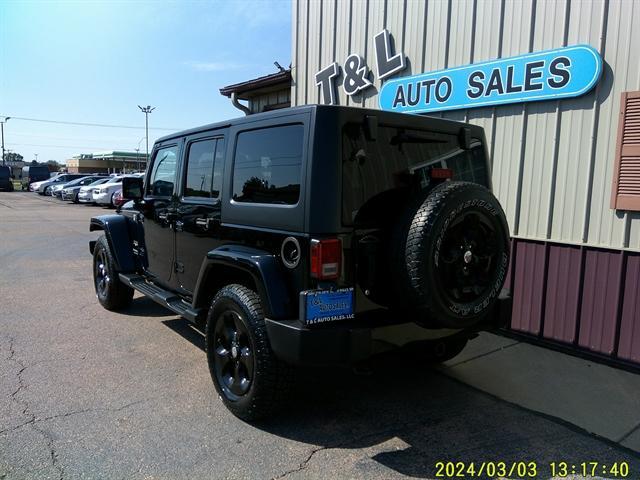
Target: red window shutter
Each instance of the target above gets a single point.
(625, 194)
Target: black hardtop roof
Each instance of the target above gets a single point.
(391, 116)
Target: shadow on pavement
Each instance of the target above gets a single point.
(411, 417)
(145, 307)
(186, 330)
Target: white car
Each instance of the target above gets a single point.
(33, 187)
(103, 194)
(85, 195)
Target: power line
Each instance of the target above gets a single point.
(91, 124)
(56, 146)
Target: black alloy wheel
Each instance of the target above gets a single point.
(101, 275)
(250, 380)
(468, 257)
(234, 364)
(111, 292)
(449, 256)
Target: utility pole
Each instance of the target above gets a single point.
(147, 110)
(138, 153)
(6, 119)
(137, 159)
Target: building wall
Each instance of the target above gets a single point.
(90, 165)
(575, 269)
(552, 160)
(258, 103)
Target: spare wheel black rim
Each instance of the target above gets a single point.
(467, 262)
(233, 355)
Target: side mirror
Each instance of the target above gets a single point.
(132, 188)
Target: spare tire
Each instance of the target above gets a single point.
(450, 256)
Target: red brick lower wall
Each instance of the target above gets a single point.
(583, 297)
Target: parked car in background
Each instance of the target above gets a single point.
(85, 193)
(45, 188)
(103, 195)
(56, 190)
(71, 190)
(33, 173)
(118, 199)
(5, 179)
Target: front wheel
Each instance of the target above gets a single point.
(249, 378)
(111, 292)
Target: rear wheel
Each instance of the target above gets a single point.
(111, 292)
(249, 378)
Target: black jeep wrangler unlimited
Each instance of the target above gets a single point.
(311, 235)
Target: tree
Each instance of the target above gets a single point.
(13, 157)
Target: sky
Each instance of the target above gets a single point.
(95, 61)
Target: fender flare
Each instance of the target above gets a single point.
(262, 266)
(116, 230)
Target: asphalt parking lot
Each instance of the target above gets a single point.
(87, 393)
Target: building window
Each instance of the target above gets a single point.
(625, 194)
(267, 165)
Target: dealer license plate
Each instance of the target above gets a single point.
(320, 306)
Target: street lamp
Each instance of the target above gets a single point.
(138, 154)
(147, 110)
(2, 122)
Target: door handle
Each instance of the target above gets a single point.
(167, 217)
(206, 222)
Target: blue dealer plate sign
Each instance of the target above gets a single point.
(320, 306)
(553, 74)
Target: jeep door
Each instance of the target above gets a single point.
(197, 224)
(158, 209)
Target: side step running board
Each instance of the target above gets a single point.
(163, 297)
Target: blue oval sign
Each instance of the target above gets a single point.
(553, 74)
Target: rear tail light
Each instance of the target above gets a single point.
(326, 258)
(441, 173)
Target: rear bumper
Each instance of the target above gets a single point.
(342, 343)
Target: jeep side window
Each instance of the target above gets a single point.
(200, 169)
(163, 173)
(268, 164)
(204, 169)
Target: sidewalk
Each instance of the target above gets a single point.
(600, 399)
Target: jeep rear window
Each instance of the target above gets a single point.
(399, 158)
(267, 165)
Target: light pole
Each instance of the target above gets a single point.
(6, 119)
(147, 110)
(138, 154)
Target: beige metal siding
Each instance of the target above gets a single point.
(552, 161)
